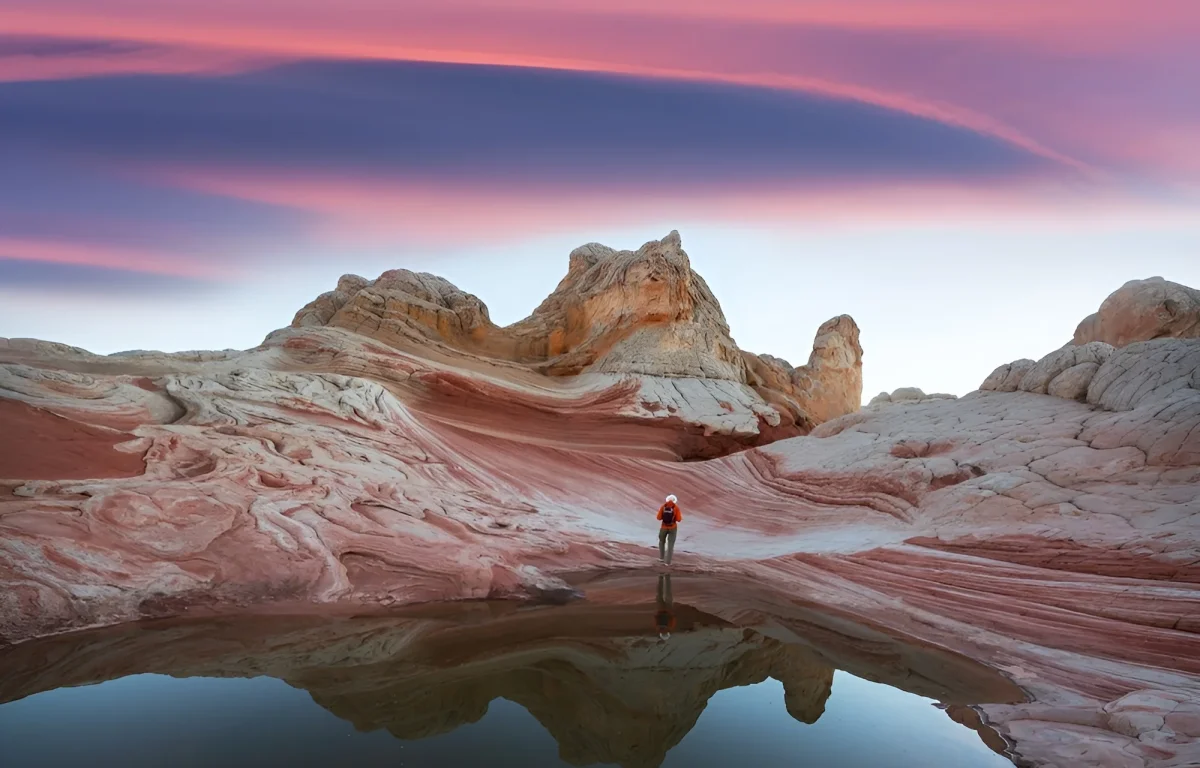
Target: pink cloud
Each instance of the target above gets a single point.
(89, 254)
(1037, 74)
(371, 212)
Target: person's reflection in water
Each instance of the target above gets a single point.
(664, 618)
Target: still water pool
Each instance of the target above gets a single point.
(155, 720)
(634, 683)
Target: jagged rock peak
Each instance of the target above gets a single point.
(641, 312)
(828, 386)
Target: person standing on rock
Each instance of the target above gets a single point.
(670, 515)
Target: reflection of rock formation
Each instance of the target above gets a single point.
(603, 684)
(626, 701)
(595, 674)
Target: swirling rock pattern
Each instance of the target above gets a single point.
(1053, 538)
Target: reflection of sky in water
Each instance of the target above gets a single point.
(153, 720)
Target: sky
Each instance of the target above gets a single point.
(967, 179)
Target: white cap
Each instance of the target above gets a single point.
(672, 498)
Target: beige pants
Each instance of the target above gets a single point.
(666, 544)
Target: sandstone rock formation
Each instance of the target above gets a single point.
(830, 385)
(640, 312)
(1150, 391)
(907, 395)
(1065, 372)
(1142, 310)
(1047, 526)
(643, 314)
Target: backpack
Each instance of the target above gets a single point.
(669, 514)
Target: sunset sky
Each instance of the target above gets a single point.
(968, 179)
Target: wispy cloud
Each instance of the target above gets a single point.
(197, 138)
(471, 122)
(1081, 79)
(73, 278)
(207, 168)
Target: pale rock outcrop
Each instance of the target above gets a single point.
(907, 395)
(1162, 373)
(1151, 388)
(1153, 391)
(1038, 378)
(1072, 384)
(882, 398)
(1066, 372)
(828, 386)
(21, 348)
(1142, 310)
(1007, 377)
(320, 311)
(1146, 373)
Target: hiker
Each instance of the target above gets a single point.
(664, 618)
(670, 515)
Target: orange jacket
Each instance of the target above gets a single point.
(678, 516)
